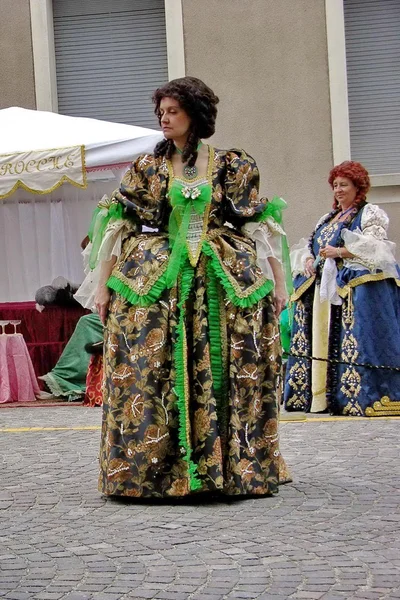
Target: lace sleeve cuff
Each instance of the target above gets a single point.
(370, 252)
(270, 239)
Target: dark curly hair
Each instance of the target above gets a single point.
(200, 104)
(357, 174)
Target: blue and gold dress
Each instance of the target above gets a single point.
(354, 330)
(192, 350)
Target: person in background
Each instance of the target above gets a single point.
(68, 378)
(347, 308)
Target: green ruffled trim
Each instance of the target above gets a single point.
(179, 355)
(216, 349)
(214, 321)
(249, 300)
(129, 294)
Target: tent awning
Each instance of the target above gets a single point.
(41, 150)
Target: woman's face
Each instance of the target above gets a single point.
(174, 121)
(345, 191)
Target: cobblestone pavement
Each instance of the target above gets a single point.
(332, 534)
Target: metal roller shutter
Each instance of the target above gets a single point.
(110, 56)
(372, 31)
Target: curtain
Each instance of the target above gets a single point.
(40, 236)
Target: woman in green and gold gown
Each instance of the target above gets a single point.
(192, 349)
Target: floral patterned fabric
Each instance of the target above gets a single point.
(191, 369)
(94, 382)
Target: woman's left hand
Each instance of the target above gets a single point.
(329, 252)
(280, 299)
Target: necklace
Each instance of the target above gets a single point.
(189, 172)
(344, 212)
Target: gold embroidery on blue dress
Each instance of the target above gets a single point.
(385, 407)
(302, 288)
(327, 233)
(367, 278)
(298, 374)
(349, 348)
(351, 379)
(298, 381)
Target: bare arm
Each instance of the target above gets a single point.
(103, 294)
(280, 295)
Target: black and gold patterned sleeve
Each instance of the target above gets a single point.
(241, 188)
(142, 192)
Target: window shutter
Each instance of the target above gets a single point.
(110, 57)
(372, 30)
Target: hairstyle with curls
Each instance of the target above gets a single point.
(357, 174)
(200, 104)
(360, 178)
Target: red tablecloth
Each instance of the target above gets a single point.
(45, 333)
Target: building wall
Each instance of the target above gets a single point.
(17, 84)
(267, 61)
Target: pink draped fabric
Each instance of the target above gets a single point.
(18, 382)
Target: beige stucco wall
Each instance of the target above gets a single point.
(17, 84)
(267, 61)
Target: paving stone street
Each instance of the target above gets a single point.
(331, 534)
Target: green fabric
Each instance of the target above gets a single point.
(216, 347)
(68, 378)
(285, 323)
(183, 198)
(249, 300)
(179, 354)
(274, 210)
(102, 215)
(146, 300)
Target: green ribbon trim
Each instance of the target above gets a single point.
(214, 320)
(183, 199)
(274, 210)
(133, 297)
(102, 215)
(216, 349)
(249, 300)
(180, 358)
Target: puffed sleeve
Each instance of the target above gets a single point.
(241, 188)
(138, 203)
(259, 218)
(370, 246)
(142, 192)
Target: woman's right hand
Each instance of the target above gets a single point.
(102, 301)
(309, 269)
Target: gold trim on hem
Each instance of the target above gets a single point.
(385, 407)
(343, 292)
(303, 288)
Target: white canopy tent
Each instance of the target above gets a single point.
(53, 171)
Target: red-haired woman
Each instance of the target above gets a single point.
(347, 308)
